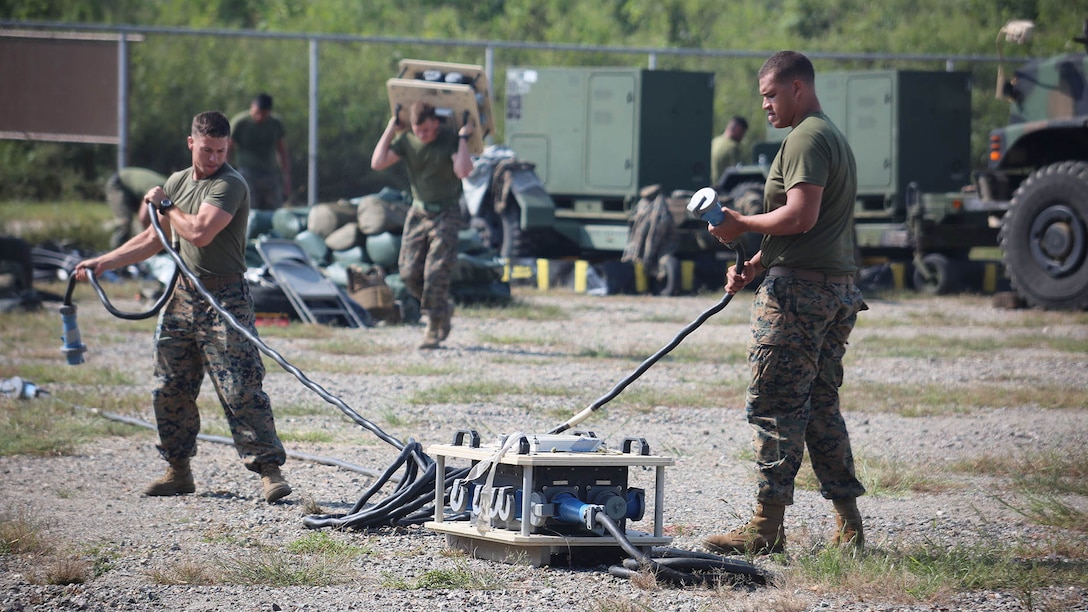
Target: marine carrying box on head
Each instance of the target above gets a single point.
(454, 90)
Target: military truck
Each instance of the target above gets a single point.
(1038, 168)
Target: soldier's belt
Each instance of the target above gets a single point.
(211, 283)
(811, 275)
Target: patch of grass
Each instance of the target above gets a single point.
(48, 426)
(394, 368)
(698, 396)
(938, 346)
(321, 543)
(20, 533)
(518, 310)
(310, 436)
(930, 571)
(85, 374)
(272, 568)
(1051, 471)
(184, 572)
(459, 577)
(932, 399)
(101, 559)
(304, 409)
(86, 224)
(483, 391)
(65, 570)
(883, 477)
(508, 339)
(301, 331)
(1047, 509)
(349, 343)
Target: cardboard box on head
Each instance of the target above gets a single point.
(458, 92)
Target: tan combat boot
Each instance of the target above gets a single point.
(848, 529)
(444, 323)
(764, 534)
(433, 336)
(178, 480)
(275, 487)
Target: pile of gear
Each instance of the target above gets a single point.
(355, 243)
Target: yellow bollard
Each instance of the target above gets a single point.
(581, 269)
(642, 284)
(687, 276)
(989, 278)
(899, 271)
(543, 275)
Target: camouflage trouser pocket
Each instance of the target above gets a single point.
(767, 438)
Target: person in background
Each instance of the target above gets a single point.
(726, 150)
(802, 312)
(259, 150)
(125, 191)
(437, 159)
(205, 208)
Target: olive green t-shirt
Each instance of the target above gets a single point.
(817, 153)
(430, 166)
(255, 143)
(226, 190)
(724, 153)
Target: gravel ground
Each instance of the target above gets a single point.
(575, 350)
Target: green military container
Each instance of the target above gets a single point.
(891, 119)
(598, 135)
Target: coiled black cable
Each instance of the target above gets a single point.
(675, 565)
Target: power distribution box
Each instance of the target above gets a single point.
(607, 132)
(904, 127)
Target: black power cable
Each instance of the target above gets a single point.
(675, 565)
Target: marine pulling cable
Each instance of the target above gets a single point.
(415, 488)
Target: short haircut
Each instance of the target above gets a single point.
(789, 66)
(211, 124)
(263, 101)
(741, 122)
(420, 112)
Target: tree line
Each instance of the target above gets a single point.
(173, 76)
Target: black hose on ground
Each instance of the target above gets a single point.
(676, 566)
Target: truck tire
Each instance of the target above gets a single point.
(944, 275)
(513, 241)
(1044, 237)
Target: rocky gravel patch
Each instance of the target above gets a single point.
(90, 507)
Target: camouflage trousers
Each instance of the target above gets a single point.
(193, 339)
(799, 334)
(428, 251)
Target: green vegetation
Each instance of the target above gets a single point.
(173, 69)
(913, 573)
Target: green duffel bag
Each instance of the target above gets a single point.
(288, 222)
(384, 249)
